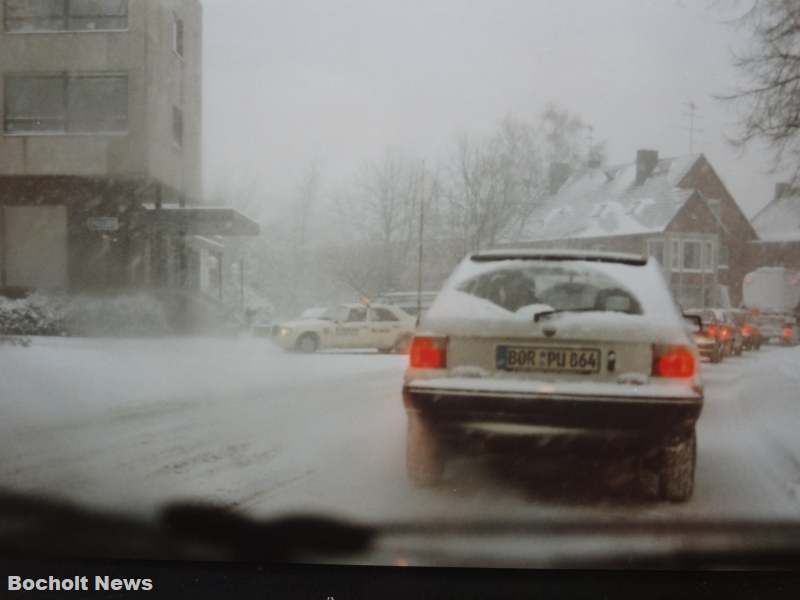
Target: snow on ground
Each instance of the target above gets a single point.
(132, 424)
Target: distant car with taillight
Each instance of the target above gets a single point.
(781, 329)
(705, 331)
(790, 334)
(542, 350)
(731, 337)
(749, 330)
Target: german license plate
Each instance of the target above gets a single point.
(567, 360)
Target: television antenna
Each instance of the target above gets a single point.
(690, 113)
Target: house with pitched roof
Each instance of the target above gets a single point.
(677, 210)
(778, 228)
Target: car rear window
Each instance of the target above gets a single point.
(577, 288)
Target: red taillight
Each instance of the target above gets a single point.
(429, 352)
(787, 332)
(723, 333)
(711, 330)
(673, 361)
(746, 331)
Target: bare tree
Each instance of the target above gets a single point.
(492, 181)
(770, 101)
(381, 209)
(302, 211)
(496, 181)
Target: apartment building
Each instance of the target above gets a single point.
(100, 148)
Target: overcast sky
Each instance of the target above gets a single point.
(289, 82)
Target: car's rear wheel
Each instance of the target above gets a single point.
(308, 343)
(716, 356)
(424, 457)
(678, 462)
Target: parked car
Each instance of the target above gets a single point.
(536, 351)
(705, 329)
(387, 328)
(750, 332)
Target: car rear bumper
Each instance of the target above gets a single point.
(460, 409)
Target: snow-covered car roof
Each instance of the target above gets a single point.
(566, 254)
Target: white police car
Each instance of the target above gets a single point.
(386, 328)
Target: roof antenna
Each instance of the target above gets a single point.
(691, 114)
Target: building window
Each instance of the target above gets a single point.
(655, 248)
(723, 255)
(177, 126)
(691, 255)
(675, 255)
(26, 16)
(56, 104)
(688, 296)
(708, 256)
(177, 35)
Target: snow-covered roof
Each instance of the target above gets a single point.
(605, 201)
(779, 221)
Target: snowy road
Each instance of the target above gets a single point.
(132, 424)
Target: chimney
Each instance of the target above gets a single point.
(782, 189)
(646, 161)
(559, 173)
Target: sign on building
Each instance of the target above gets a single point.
(103, 224)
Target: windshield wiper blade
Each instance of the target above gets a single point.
(43, 528)
(283, 539)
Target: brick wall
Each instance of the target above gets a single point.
(737, 232)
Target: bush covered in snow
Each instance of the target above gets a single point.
(34, 315)
(37, 314)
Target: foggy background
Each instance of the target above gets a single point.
(290, 83)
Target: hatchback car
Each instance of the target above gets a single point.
(548, 349)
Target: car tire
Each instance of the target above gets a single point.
(678, 462)
(716, 357)
(402, 345)
(424, 457)
(308, 343)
